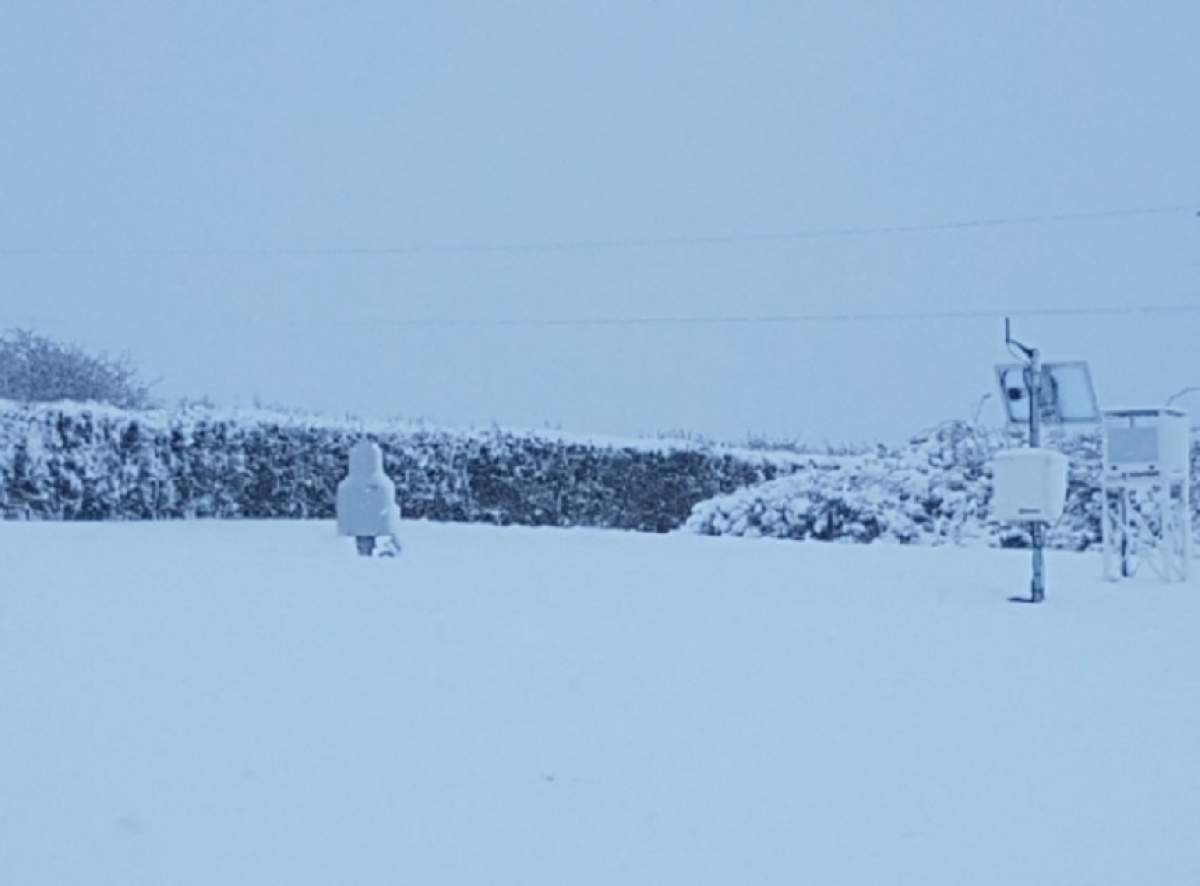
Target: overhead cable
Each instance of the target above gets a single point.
(615, 243)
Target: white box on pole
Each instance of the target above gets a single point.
(1146, 443)
(1029, 485)
(1147, 479)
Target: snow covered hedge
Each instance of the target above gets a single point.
(67, 461)
(936, 490)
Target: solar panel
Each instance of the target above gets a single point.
(1066, 393)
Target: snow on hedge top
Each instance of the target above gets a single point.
(163, 419)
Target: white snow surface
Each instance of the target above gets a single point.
(250, 703)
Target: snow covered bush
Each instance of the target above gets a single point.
(38, 369)
(935, 490)
(929, 492)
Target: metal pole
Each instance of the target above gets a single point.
(1187, 518)
(1126, 571)
(1037, 591)
(1166, 510)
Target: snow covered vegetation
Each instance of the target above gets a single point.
(67, 461)
(63, 461)
(936, 490)
(35, 368)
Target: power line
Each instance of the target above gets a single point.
(747, 320)
(814, 233)
(770, 319)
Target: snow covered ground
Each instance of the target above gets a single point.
(248, 703)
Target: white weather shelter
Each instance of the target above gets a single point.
(1029, 485)
(1147, 513)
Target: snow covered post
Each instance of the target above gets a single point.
(366, 500)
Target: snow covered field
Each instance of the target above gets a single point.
(248, 703)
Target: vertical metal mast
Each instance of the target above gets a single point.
(1033, 382)
(1037, 532)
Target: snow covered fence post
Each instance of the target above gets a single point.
(366, 501)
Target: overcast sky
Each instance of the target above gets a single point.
(390, 208)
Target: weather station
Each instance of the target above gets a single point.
(1147, 478)
(1030, 484)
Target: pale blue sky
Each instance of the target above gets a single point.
(174, 176)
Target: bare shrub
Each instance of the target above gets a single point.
(35, 368)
